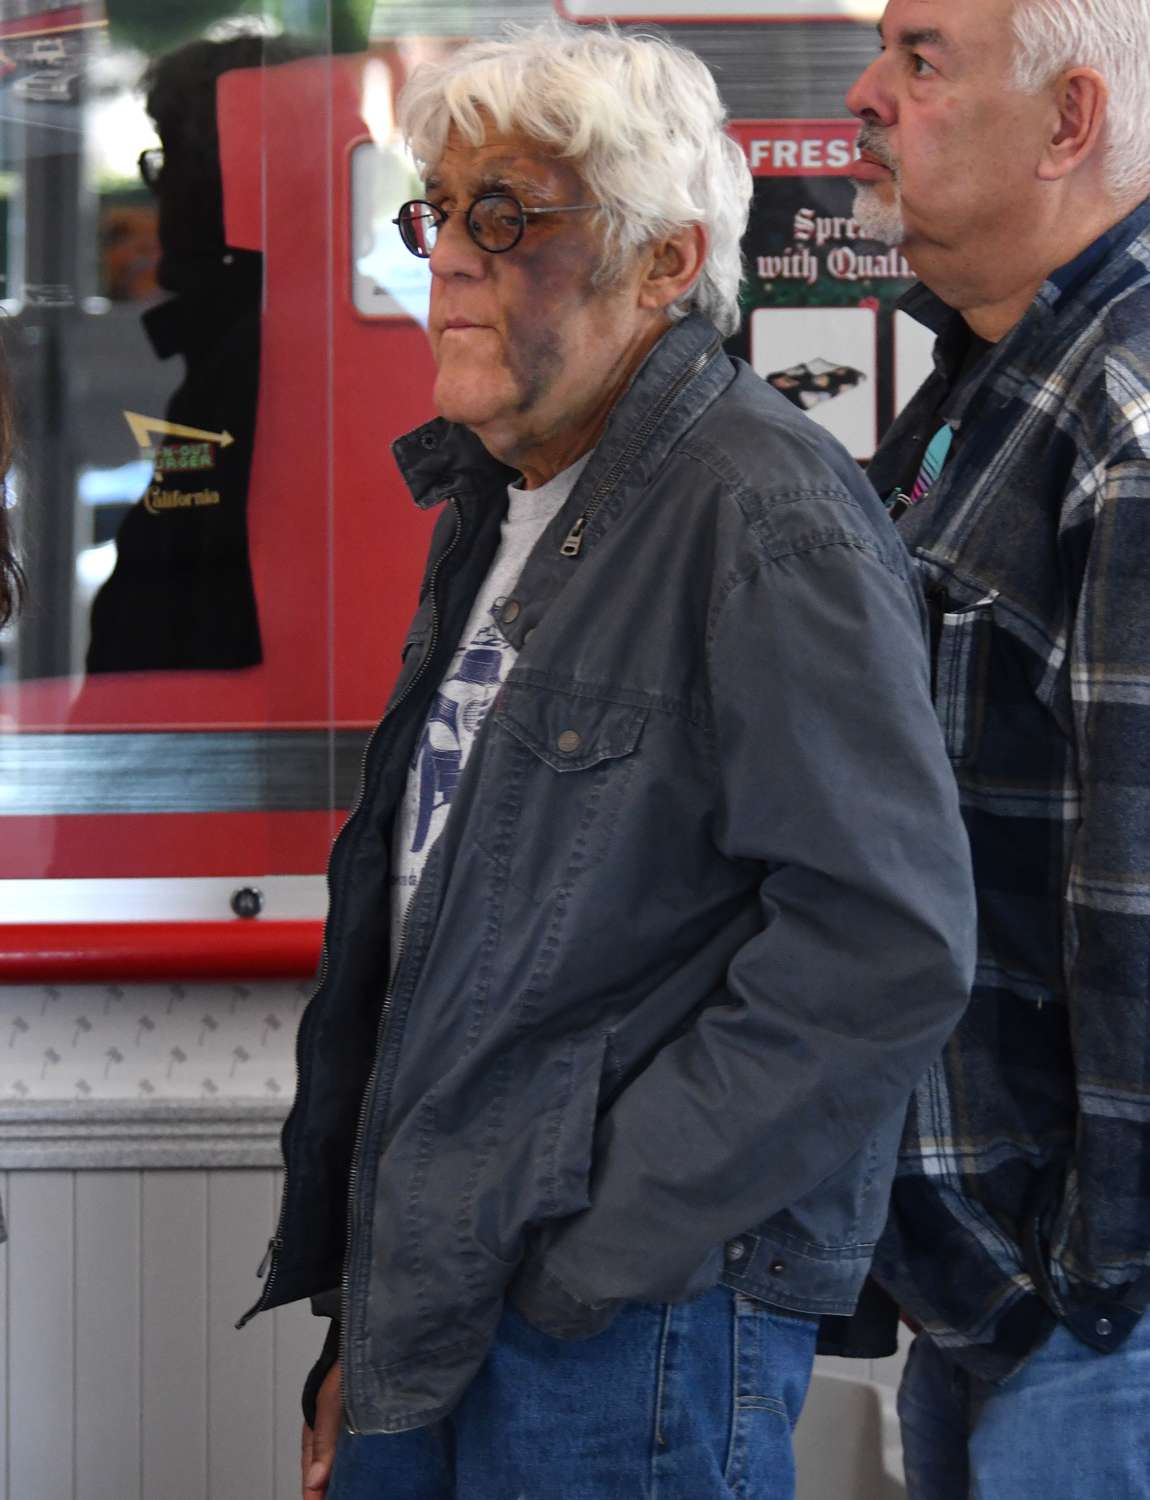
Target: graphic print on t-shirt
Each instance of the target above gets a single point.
(457, 711)
(479, 665)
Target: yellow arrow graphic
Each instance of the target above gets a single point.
(143, 426)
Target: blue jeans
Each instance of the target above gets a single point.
(691, 1402)
(1072, 1424)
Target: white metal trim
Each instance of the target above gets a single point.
(186, 899)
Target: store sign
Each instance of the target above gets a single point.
(797, 148)
(727, 10)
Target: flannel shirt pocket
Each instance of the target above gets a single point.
(961, 642)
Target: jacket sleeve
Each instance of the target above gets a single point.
(1100, 1240)
(834, 779)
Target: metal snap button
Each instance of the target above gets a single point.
(569, 741)
(736, 1251)
(777, 1267)
(511, 611)
(1104, 1328)
(428, 440)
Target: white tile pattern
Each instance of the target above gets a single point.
(150, 1041)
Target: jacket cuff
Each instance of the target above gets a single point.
(551, 1308)
(319, 1372)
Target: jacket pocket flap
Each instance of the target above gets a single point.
(569, 731)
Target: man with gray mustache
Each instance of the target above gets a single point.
(1006, 149)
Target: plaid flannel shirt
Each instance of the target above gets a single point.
(1023, 1191)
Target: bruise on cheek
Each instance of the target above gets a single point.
(535, 357)
(555, 276)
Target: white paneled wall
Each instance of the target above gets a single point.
(123, 1377)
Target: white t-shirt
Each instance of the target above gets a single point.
(481, 662)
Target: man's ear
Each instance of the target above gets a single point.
(1080, 97)
(673, 265)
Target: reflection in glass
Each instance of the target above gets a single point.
(215, 334)
(181, 595)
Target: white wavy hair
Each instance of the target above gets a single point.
(640, 119)
(1112, 37)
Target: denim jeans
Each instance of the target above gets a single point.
(690, 1402)
(1072, 1424)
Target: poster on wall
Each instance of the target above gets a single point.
(820, 321)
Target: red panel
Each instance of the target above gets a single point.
(158, 950)
(166, 845)
(337, 545)
(141, 700)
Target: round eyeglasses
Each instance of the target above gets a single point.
(495, 222)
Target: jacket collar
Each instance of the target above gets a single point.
(442, 460)
(1088, 278)
(675, 383)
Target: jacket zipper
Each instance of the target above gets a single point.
(268, 1266)
(573, 544)
(388, 999)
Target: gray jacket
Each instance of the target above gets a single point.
(700, 918)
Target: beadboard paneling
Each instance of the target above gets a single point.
(240, 1401)
(122, 1376)
(174, 1335)
(107, 1338)
(41, 1336)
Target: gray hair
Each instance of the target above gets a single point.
(640, 118)
(1110, 36)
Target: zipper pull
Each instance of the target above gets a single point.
(574, 543)
(262, 1269)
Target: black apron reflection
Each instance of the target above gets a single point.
(181, 596)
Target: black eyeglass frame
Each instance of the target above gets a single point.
(441, 216)
(150, 164)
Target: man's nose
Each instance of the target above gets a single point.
(455, 253)
(870, 99)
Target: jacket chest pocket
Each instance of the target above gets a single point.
(558, 768)
(960, 656)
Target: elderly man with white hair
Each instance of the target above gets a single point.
(656, 902)
(1006, 146)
